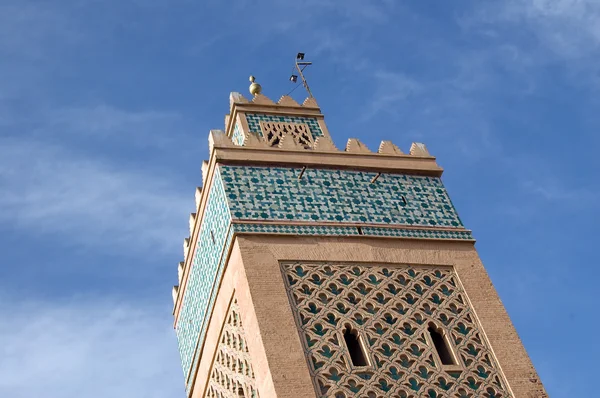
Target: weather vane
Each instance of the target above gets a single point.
(301, 64)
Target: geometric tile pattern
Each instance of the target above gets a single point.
(254, 120)
(211, 242)
(232, 375)
(391, 307)
(276, 193)
(212, 296)
(296, 229)
(418, 233)
(238, 136)
(323, 230)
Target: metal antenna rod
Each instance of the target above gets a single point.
(300, 66)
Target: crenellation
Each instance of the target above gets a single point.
(288, 142)
(388, 148)
(218, 138)
(226, 124)
(354, 145)
(186, 247)
(174, 293)
(325, 144)
(192, 222)
(180, 269)
(310, 102)
(252, 140)
(261, 99)
(198, 196)
(237, 98)
(204, 171)
(286, 100)
(419, 149)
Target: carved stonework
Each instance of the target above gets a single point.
(232, 375)
(273, 132)
(392, 308)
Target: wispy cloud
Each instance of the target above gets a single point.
(392, 90)
(545, 32)
(87, 347)
(88, 201)
(570, 28)
(553, 190)
(145, 128)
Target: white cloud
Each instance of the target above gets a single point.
(92, 349)
(51, 190)
(567, 29)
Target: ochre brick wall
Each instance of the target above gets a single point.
(284, 354)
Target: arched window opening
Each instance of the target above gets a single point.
(441, 346)
(355, 348)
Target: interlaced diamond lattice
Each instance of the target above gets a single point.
(232, 375)
(391, 307)
(275, 131)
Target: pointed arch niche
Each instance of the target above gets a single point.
(443, 348)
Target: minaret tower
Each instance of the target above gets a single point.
(312, 271)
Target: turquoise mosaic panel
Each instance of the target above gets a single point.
(254, 120)
(417, 233)
(296, 229)
(323, 230)
(276, 193)
(213, 297)
(238, 136)
(204, 269)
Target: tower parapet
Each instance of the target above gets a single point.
(293, 233)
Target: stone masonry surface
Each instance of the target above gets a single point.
(232, 375)
(391, 308)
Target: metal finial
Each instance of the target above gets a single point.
(255, 88)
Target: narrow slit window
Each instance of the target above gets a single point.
(441, 346)
(357, 354)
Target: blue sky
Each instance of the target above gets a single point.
(105, 108)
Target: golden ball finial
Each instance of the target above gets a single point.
(255, 88)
